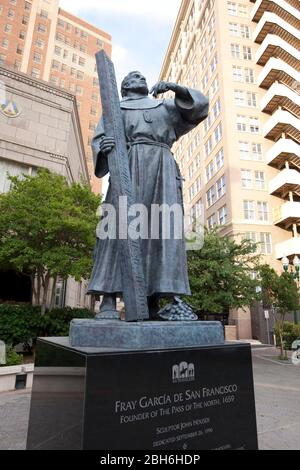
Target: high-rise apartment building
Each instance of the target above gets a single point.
(42, 40)
(241, 165)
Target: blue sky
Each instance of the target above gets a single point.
(141, 30)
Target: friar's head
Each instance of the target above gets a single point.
(134, 82)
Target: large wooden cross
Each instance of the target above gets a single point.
(134, 287)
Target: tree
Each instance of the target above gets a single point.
(281, 293)
(47, 229)
(220, 273)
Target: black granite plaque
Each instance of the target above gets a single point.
(188, 399)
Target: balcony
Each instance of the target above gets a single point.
(282, 8)
(277, 70)
(280, 95)
(282, 122)
(286, 181)
(270, 23)
(287, 215)
(285, 150)
(289, 248)
(273, 46)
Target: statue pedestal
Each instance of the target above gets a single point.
(111, 399)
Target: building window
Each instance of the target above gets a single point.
(232, 8)
(99, 42)
(19, 49)
(245, 31)
(251, 99)
(39, 43)
(239, 97)
(265, 240)
(11, 13)
(247, 53)
(37, 57)
(41, 28)
(25, 20)
(74, 58)
(213, 64)
(65, 56)
(249, 75)
(263, 211)
(235, 51)
(244, 150)
(241, 123)
(93, 111)
(79, 90)
(218, 133)
(211, 196)
(80, 75)
(5, 43)
(55, 64)
(27, 6)
(44, 14)
(249, 210)
(22, 34)
(222, 215)
(53, 80)
(35, 72)
(212, 221)
(57, 50)
(81, 61)
(61, 23)
(233, 29)
(208, 146)
(243, 10)
(254, 125)
(221, 187)
(237, 73)
(219, 159)
(7, 28)
(260, 180)
(257, 152)
(2, 59)
(210, 171)
(64, 68)
(246, 179)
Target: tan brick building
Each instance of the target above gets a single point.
(42, 40)
(232, 162)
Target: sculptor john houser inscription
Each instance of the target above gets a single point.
(148, 408)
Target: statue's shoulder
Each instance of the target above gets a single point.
(143, 103)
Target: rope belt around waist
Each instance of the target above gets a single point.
(147, 142)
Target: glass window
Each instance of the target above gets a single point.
(237, 73)
(257, 152)
(263, 211)
(235, 51)
(246, 179)
(260, 180)
(222, 215)
(221, 187)
(265, 240)
(244, 150)
(249, 210)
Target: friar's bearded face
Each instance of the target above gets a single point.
(135, 82)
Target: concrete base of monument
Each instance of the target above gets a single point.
(144, 335)
(111, 399)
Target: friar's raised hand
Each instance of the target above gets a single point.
(162, 87)
(106, 145)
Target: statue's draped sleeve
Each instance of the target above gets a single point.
(187, 113)
(100, 159)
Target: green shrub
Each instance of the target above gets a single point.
(13, 358)
(19, 323)
(24, 324)
(291, 332)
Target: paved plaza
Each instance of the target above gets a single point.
(277, 390)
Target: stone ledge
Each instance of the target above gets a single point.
(144, 335)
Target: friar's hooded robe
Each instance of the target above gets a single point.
(151, 128)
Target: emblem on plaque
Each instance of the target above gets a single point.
(10, 109)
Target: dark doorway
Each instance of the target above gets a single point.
(14, 287)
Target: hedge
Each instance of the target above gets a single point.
(24, 323)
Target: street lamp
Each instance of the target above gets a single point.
(296, 274)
